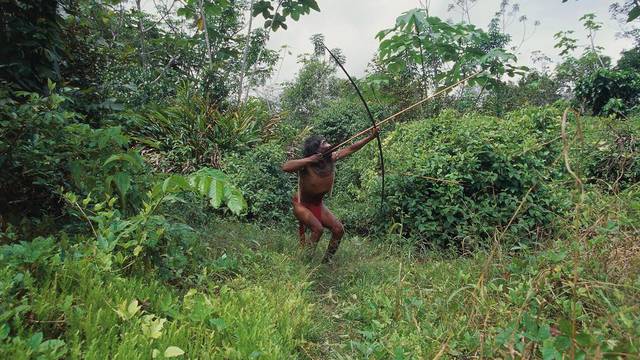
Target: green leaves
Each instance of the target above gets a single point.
(48, 349)
(311, 4)
(417, 40)
(565, 43)
(173, 351)
(133, 159)
(284, 9)
(4, 331)
(122, 182)
(600, 87)
(126, 312)
(633, 14)
(209, 183)
(175, 184)
(152, 326)
(462, 175)
(210, 8)
(262, 7)
(26, 253)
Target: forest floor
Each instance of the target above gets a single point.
(259, 298)
(373, 301)
(378, 300)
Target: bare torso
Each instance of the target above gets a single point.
(316, 180)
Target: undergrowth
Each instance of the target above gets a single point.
(254, 297)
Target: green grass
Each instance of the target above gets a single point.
(258, 298)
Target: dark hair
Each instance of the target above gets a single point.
(311, 145)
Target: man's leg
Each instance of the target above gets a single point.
(337, 231)
(305, 216)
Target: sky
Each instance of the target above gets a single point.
(351, 25)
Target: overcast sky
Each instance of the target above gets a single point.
(351, 25)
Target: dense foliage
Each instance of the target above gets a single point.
(456, 178)
(144, 212)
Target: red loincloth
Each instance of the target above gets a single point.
(315, 208)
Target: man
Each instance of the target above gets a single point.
(316, 173)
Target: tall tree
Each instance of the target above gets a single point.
(30, 43)
(245, 52)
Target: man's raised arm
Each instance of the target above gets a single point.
(355, 146)
(295, 165)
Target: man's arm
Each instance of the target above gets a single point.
(355, 146)
(295, 165)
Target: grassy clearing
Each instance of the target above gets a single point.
(257, 298)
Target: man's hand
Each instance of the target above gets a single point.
(374, 132)
(315, 158)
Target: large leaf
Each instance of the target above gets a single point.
(216, 193)
(152, 326)
(129, 158)
(123, 183)
(175, 183)
(209, 183)
(236, 203)
(173, 351)
(634, 13)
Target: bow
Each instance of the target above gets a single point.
(373, 121)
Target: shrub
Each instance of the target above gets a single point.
(191, 132)
(597, 89)
(148, 235)
(258, 174)
(343, 118)
(610, 152)
(455, 179)
(44, 147)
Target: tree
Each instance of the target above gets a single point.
(31, 48)
(606, 91)
(572, 69)
(621, 12)
(630, 7)
(630, 60)
(454, 50)
(276, 17)
(314, 86)
(592, 25)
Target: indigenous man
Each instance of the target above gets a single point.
(316, 172)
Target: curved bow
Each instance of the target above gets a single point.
(373, 121)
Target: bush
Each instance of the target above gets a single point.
(148, 237)
(44, 146)
(597, 89)
(258, 174)
(342, 118)
(610, 152)
(191, 132)
(453, 180)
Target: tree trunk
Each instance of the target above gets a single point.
(424, 75)
(143, 60)
(245, 54)
(255, 66)
(593, 48)
(206, 31)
